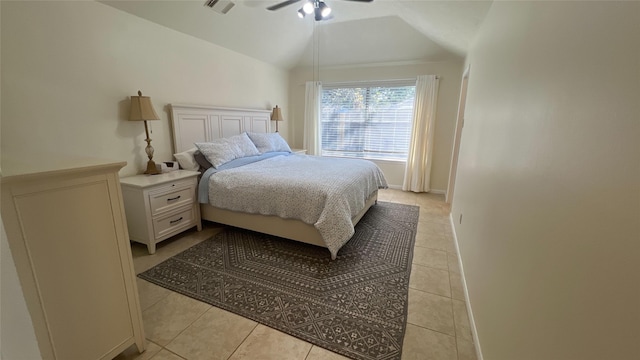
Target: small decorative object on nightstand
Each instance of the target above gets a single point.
(161, 206)
(299, 151)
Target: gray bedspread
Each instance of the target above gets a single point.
(325, 192)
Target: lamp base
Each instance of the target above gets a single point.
(152, 169)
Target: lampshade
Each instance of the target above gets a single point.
(276, 115)
(142, 109)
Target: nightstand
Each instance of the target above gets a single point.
(160, 206)
(299, 151)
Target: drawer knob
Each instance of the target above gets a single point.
(176, 220)
(175, 198)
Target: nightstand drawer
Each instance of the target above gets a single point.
(170, 199)
(165, 225)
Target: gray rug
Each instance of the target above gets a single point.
(355, 305)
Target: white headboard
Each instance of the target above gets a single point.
(197, 123)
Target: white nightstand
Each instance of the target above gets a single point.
(299, 151)
(160, 206)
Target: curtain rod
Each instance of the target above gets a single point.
(338, 83)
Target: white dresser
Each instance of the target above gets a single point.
(160, 206)
(68, 237)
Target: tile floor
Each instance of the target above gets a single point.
(180, 328)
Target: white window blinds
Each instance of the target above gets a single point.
(367, 120)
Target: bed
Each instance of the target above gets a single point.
(330, 225)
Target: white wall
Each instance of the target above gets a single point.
(17, 337)
(450, 73)
(68, 69)
(549, 181)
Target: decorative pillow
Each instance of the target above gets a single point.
(269, 142)
(221, 151)
(245, 144)
(202, 161)
(186, 160)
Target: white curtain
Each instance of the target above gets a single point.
(417, 173)
(312, 131)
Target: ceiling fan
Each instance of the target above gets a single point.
(318, 8)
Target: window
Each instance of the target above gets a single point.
(371, 121)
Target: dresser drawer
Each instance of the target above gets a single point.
(167, 224)
(171, 198)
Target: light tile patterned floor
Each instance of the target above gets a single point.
(180, 328)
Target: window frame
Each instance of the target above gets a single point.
(366, 84)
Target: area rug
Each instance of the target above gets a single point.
(355, 305)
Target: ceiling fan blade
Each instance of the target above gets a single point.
(282, 4)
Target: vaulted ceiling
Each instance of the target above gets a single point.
(381, 31)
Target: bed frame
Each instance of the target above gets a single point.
(196, 123)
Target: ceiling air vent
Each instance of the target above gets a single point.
(221, 6)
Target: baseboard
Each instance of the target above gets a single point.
(472, 323)
(433, 191)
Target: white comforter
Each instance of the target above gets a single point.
(325, 192)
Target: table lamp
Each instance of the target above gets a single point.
(276, 116)
(142, 110)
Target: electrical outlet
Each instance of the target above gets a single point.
(460, 218)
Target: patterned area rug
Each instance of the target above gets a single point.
(355, 305)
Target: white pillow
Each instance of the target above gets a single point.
(268, 142)
(186, 160)
(221, 151)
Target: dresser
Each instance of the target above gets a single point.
(160, 206)
(67, 233)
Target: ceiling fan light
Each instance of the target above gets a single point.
(325, 10)
(301, 13)
(308, 7)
